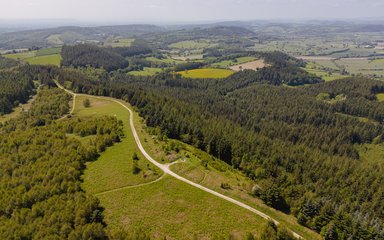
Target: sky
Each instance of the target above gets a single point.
(188, 10)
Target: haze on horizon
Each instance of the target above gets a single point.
(188, 11)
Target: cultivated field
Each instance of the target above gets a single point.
(206, 73)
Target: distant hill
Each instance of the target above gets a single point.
(70, 35)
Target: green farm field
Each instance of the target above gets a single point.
(49, 56)
(206, 73)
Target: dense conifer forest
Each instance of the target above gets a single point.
(16, 87)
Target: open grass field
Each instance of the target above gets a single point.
(207, 73)
(182, 210)
(175, 210)
(49, 56)
(249, 65)
(380, 97)
(146, 72)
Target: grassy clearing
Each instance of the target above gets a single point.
(175, 208)
(17, 111)
(380, 97)
(115, 166)
(206, 73)
(146, 72)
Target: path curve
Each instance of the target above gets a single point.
(138, 185)
(166, 167)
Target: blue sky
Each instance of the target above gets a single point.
(188, 11)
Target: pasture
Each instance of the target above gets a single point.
(207, 73)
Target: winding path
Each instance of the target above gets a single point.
(166, 167)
